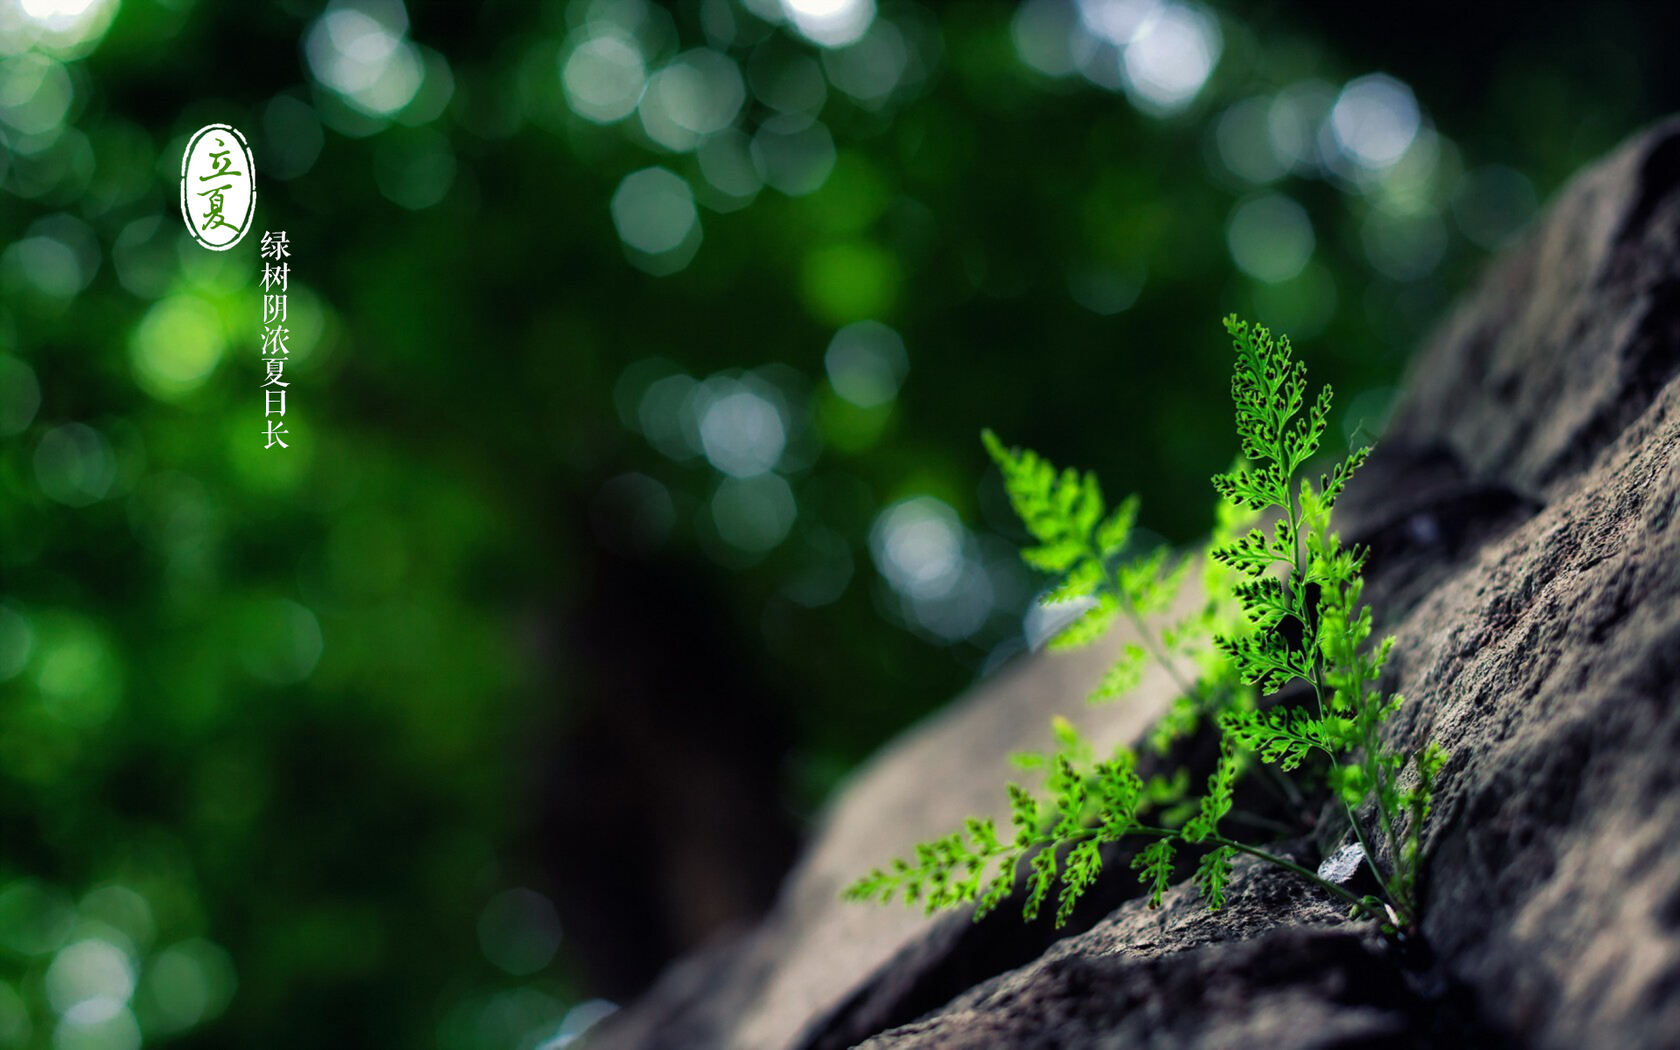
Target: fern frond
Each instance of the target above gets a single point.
(1088, 626)
(1265, 660)
(1084, 864)
(996, 892)
(1258, 581)
(1123, 676)
(1039, 881)
(1081, 581)
(1334, 482)
(1222, 783)
(1023, 815)
(1302, 440)
(1267, 387)
(1264, 601)
(1250, 553)
(1212, 872)
(1259, 488)
(1420, 799)
(1120, 794)
(1146, 588)
(1181, 720)
(1082, 544)
(1287, 737)
(1116, 529)
(1154, 864)
(1087, 804)
(1070, 742)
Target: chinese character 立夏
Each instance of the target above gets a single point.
(276, 428)
(275, 275)
(274, 308)
(218, 182)
(274, 340)
(269, 403)
(275, 246)
(276, 368)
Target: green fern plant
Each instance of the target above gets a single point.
(1257, 578)
(1085, 546)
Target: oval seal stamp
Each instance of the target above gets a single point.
(218, 187)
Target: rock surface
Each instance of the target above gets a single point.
(1524, 511)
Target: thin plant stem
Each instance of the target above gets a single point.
(1270, 858)
(1154, 648)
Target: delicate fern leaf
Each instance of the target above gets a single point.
(1054, 507)
(1179, 722)
(1056, 557)
(1332, 565)
(996, 892)
(1250, 553)
(1430, 761)
(1087, 627)
(1154, 864)
(1119, 792)
(1284, 535)
(1070, 792)
(963, 888)
(1267, 386)
(921, 883)
(1146, 588)
(1082, 581)
(1251, 390)
(1063, 511)
(983, 833)
(1351, 782)
(1023, 815)
(1123, 676)
(1231, 520)
(945, 873)
(876, 884)
(1303, 438)
(955, 878)
(1217, 802)
(1259, 488)
(1116, 529)
(1332, 484)
(1029, 481)
(1265, 660)
(1285, 737)
(1087, 505)
(1380, 657)
(1264, 600)
(1418, 802)
(1212, 872)
(1083, 865)
(1039, 881)
(1070, 742)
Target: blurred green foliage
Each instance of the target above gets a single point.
(724, 286)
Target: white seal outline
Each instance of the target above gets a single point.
(250, 164)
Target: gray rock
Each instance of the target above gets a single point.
(817, 964)
(1524, 511)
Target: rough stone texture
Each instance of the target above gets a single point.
(1524, 511)
(814, 952)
